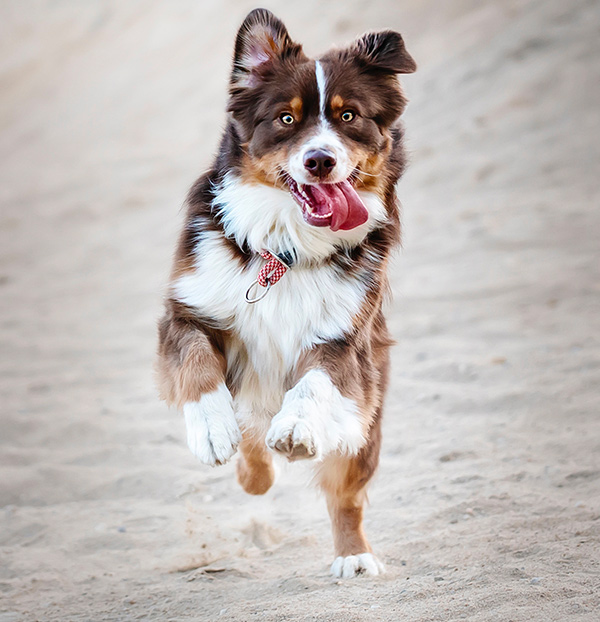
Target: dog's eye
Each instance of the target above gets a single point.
(347, 116)
(286, 118)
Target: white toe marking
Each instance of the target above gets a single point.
(296, 435)
(315, 414)
(356, 565)
(212, 431)
(336, 567)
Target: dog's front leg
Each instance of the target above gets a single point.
(315, 420)
(192, 376)
(212, 430)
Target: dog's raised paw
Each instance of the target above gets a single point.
(213, 434)
(357, 565)
(293, 438)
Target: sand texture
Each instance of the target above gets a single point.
(486, 506)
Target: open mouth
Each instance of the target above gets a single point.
(337, 206)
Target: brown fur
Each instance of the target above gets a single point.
(264, 170)
(344, 481)
(295, 108)
(189, 363)
(337, 105)
(255, 467)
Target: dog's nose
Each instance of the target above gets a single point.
(319, 162)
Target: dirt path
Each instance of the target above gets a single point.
(486, 506)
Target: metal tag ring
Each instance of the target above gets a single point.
(260, 296)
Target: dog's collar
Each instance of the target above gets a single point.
(277, 265)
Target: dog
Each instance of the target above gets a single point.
(273, 339)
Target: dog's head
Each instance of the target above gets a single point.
(320, 129)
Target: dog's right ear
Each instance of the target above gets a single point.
(261, 39)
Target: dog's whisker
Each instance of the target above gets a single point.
(359, 172)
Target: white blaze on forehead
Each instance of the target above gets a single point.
(321, 85)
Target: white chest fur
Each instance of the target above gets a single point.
(309, 305)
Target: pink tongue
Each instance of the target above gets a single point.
(347, 209)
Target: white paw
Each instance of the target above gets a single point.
(315, 420)
(293, 437)
(212, 431)
(356, 565)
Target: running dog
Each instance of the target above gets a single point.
(273, 339)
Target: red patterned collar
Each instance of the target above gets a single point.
(277, 265)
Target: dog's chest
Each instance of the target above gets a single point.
(306, 307)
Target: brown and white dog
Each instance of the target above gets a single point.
(305, 175)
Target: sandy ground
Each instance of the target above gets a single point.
(486, 505)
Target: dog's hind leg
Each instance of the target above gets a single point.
(344, 480)
(255, 471)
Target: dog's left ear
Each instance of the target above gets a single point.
(384, 51)
(261, 39)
